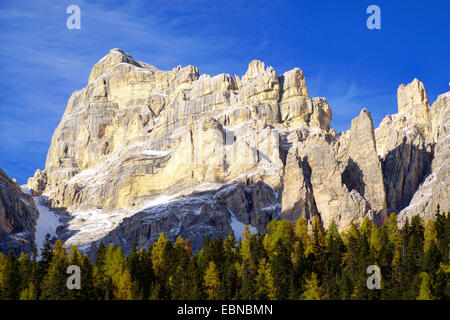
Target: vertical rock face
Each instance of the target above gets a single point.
(435, 189)
(413, 102)
(332, 197)
(405, 144)
(18, 215)
(38, 182)
(363, 171)
(298, 197)
(141, 151)
(412, 119)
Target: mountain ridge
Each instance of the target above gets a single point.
(137, 136)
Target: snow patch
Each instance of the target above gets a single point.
(47, 222)
(226, 189)
(155, 153)
(238, 227)
(272, 207)
(92, 224)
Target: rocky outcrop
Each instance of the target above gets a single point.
(405, 144)
(333, 199)
(434, 190)
(358, 153)
(18, 215)
(216, 213)
(141, 151)
(298, 197)
(38, 182)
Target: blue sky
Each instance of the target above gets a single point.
(42, 62)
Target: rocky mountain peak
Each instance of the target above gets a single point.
(413, 101)
(293, 84)
(114, 57)
(255, 68)
(362, 168)
(364, 112)
(406, 142)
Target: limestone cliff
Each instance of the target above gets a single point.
(435, 189)
(358, 152)
(18, 215)
(406, 143)
(141, 151)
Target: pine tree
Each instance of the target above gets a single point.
(212, 252)
(430, 235)
(345, 285)
(351, 258)
(364, 260)
(442, 285)
(75, 259)
(133, 264)
(248, 279)
(281, 270)
(25, 270)
(87, 280)
(334, 253)
(397, 279)
(335, 248)
(2, 273)
(176, 283)
(55, 281)
(413, 257)
(298, 270)
(432, 258)
(46, 256)
(230, 276)
(11, 278)
(35, 276)
(415, 246)
(442, 228)
(180, 259)
(230, 281)
(193, 289)
(102, 290)
(315, 250)
(252, 251)
(360, 288)
(146, 276)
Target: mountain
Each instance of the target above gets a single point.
(141, 151)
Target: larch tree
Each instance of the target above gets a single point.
(213, 285)
(313, 290)
(425, 287)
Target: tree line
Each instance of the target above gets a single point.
(290, 261)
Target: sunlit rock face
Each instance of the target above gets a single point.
(358, 152)
(434, 189)
(407, 143)
(141, 151)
